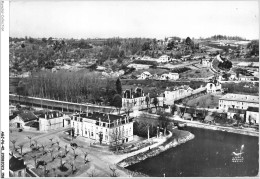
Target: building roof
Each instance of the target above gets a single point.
(104, 117)
(253, 109)
(27, 116)
(16, 164)
(235, 110)
(240, 97)
(146, 73)
(49, 114)
(209, 118)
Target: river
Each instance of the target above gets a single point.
(209, 154)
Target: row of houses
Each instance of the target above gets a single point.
(244, 105)
(164, 76)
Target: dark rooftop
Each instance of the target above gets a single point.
(28, 116)
(253, 109)
(16, 164)
(102, 116)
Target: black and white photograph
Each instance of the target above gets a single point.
(130, 88)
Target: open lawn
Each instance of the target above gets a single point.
(199, 73)
(205, 101)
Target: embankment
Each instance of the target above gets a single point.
(172, 142)
(226, 129)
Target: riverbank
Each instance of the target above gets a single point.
(169, 143)
(225, 129)
(198, 124)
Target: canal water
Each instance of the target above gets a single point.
(209, 154)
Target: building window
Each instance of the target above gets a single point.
(92, 134)
(86, 132)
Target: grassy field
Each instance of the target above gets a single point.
(205, 101)
(199, 73)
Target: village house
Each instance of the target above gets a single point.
(145, 75)
(24, 120)
(176, 93)
(233, 76)
(17, 167)
(252, 115)
(238, 101)
(138, 66)
(245, 78)
(170, 76)
(206, 62)
(109, 128)
(163, 59)
(233, 111)
(133, 97)
(51, 120)
(214, 87)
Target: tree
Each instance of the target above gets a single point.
(44, 40)
(100, 137)
(155, 102)
(117, 102)
(115, 136)
(21, 148)
(114, 173)
(118, 87)
(164, 121)
(30, 138)
(147, 100)
(174, 108)
(13, 142)
(188, 41)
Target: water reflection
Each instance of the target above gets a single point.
(209, 154)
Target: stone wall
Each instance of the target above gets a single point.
(153, 152)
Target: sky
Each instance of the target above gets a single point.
(127, 19)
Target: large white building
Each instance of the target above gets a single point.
(238, 101)
(175, 94)
(110, 127)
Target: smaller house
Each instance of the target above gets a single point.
(24, 120)
(214, 87)
(17, 167)
(252, 115)
(232, 111)
(100, 68)
(145, 75)
(138, 66)
(206, 62)
(170, 76)
(163, 59)
(245, 78)
(233, 76)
